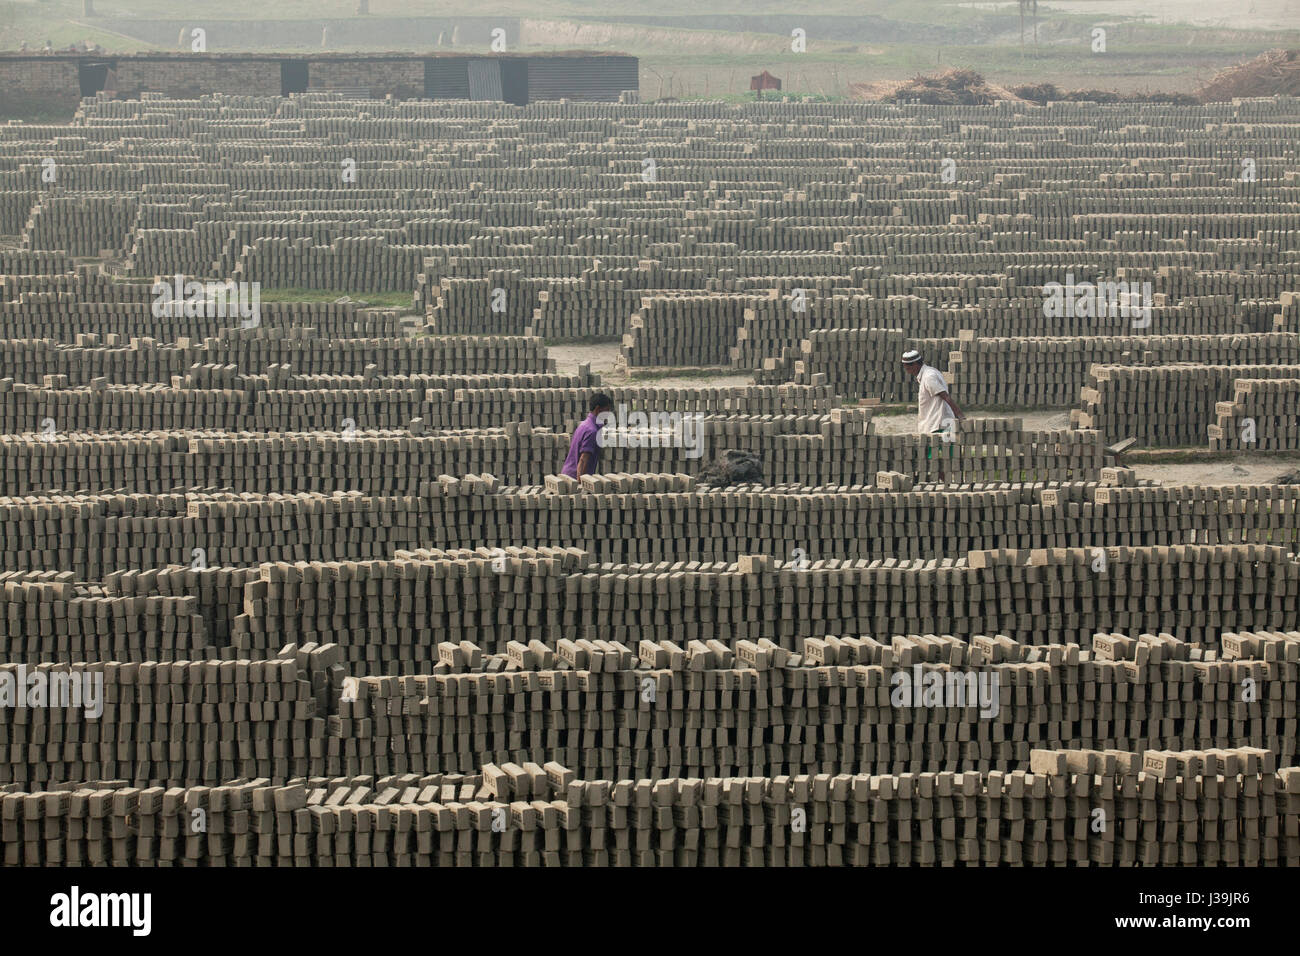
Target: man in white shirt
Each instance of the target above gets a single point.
(936, 412)
(935, 407)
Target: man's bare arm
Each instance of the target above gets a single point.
(584, 464)
(951, 404)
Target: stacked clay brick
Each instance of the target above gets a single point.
(321, 402)
(631, 521)
(48, 617)
(336, 607)
(577, 307)
(635, 520)
(390, 614)
(677, 330)
(702, 709)
(837, 448)
(1075, 808)
(82, 225)
(102, 312)
(589, 238)
(1264, 415)
(583, 308)
(865, 362)
(173, 723)
(1164, 405)
(261, 351)
(1029, 372)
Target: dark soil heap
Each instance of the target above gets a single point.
(732, 467)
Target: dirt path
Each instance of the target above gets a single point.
(1241, 470)
(901, 423)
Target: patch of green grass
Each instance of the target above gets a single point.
(386, 300)
(1015, 411)
(897, 409)
(583, 340)
(40, 115)
(650, 375)
(1193, 456)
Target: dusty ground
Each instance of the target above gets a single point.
(900, 423)
(599, 357)
(1241, 470)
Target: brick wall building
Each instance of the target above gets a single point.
(58, 80)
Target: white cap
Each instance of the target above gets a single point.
(911, 356)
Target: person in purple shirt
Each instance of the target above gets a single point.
(584, 446)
